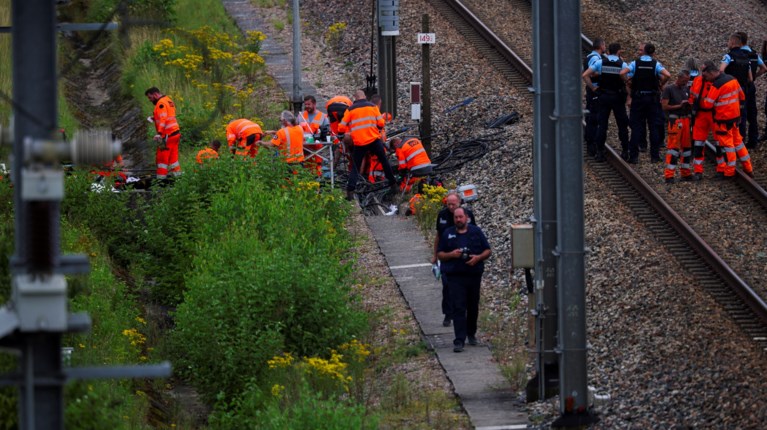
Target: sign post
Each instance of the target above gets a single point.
(426, 39)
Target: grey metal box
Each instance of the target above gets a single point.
(522, 246)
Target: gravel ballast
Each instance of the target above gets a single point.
(664, 351)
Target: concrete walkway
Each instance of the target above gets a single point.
(483, 391)
(279, 62)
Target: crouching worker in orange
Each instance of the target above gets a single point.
(168, 134)
(675, 103)
(725, 97)
(209, 152)
(111, 169)
(242, 135)
(289, 139)
(413, 161)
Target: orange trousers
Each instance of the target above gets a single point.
(678, 147)
(167, 157)
(729, 139)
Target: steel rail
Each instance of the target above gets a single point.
(720, 267)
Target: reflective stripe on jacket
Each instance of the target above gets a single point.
(165, 116)
(363, 121)
(290, 141)
(724, 96)
(315, 122)
(412, 155)
(239, 129)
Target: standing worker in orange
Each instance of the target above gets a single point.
(702, 125)
(289, 139)
(413, 160)
(209, 152)
(675, 102)
(168, 133)
(363, 122)
(318, 125)
(725, 97)
(242, 135)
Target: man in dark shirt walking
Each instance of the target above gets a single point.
(463, 249)
(445, 220)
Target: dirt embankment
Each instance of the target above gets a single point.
(91, 80)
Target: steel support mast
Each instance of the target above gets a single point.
(545, 382)
(570, 216)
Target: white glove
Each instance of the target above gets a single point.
(150, 119)
(157, 137)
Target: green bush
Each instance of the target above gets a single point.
(273, 409)
(267, 278)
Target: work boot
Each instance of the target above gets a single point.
(697, 177)
(349, 195)
(670, 180)
(750, 174)
(687, 178)
(719, 176)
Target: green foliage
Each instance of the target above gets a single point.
(282, 410)
(266, 276)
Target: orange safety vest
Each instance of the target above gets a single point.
(725, 96)
(695, 90)
(363, 121)
(412, 155)
(290, 140)
(336, 108)
(239, 130)
(206, 154)
(165, 117)
(315, 122)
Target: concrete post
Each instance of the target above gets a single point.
(297, 102)
(570, 229)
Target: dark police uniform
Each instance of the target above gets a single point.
(590, 129)
(646, 112)
(738, 65)
(612, 98)
(464, 280)
(444, 221)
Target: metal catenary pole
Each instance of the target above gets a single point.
(545, 199)
(297, 102)
(37, 222)
(570, 227)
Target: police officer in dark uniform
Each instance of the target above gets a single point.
(590, 130)
(611, 97)
(463, 249)
(758, 68)
(445, 221)
(647, 77)
(737, 63)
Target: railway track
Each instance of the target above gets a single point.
(743, 304)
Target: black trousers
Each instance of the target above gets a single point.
(590, 129)
(464, 297)
(358, 154)
(748, 116)
(616, 103)
(645, 114)
(447, 307)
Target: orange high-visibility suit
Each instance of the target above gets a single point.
(290, 141)
(725, 96)
(336, 108)
(242, 135)
(363, 122)
(165, 123)
(412, 158)
(206, 154)
(703, 125)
